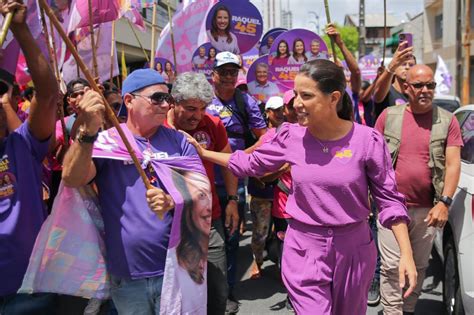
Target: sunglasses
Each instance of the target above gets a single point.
(157, 98)
(419, 86)
(226, 72)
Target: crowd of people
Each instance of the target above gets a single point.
(351, 179)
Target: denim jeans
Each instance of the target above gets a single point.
(374, 229)
(232, 241)
(137, 297)
(27, 304)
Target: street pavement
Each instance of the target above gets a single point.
(267, 295)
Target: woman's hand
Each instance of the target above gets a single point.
(199, 148)
(407, 269)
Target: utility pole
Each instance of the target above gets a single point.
(467, 55)
(361, 28)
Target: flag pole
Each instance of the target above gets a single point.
(384, 31)
(5, 27)
(328, 19)
(112, 52)
(170, 17)
(91, 29)
(153, 38)
(138, 40)
(53, 63)
(108, 110)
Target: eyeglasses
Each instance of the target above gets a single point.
(157, 98)
(420, 85)
(226, 72)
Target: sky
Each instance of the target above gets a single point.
(339, 8)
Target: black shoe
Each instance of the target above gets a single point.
(374, 293)
(288, 305)
(232, 307)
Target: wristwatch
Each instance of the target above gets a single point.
(446, 200)
(83, 137)
(233, 197)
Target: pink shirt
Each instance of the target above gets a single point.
(329, 189)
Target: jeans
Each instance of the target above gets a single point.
(217, 287)
(374, 229)
(137, 297)
(27, 304)
(232, 241)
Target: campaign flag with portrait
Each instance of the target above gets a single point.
(69, 255)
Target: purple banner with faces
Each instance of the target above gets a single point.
(165, 68)
(368, 67)
(234, 26)
(249, 58)
(292, 49)
(262, 84)
(203, 60)
(268, 39)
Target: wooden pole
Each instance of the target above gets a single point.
(153, 38)
(54, 65)
(138, 40)
(108, 110)
(170, 17)
(467, 56)
(384, 31)
(328, 18)
(112, 52)
(6, 25)
(91, 29)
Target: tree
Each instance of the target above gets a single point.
(350, 36)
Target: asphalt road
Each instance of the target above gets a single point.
(267, 295)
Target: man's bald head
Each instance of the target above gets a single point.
(419, 70)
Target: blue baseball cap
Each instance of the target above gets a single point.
(140, 79)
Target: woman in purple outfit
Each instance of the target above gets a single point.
(329, 254)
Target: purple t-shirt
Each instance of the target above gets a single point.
(135, 238)
(329, 189)
(233, 122)
(21, 204)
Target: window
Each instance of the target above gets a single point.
(161, 16)
(467, 132)
(438, 26)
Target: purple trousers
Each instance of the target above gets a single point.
(328, 270)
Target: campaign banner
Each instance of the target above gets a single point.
(249, 58)
(368, 66)
(234, 26)
(165, 67)
(203, 60)
(292, 49)
(189, 32)
(261, 82)
(268, 39)
(103, 38)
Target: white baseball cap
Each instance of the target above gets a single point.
(274, 102)
(226, 57)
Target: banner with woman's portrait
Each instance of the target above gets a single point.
(292, 49)
(165, 67)
(234, 26)
(268, 39)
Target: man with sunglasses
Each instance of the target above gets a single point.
(136, 239)
(243, 120)
(424, 141)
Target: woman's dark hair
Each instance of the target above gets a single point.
(304, 49)
(70, 85)
(214, 24)
(189, 252)
(329, 78)
(365, 85)
(278, 55)
(209, 52)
